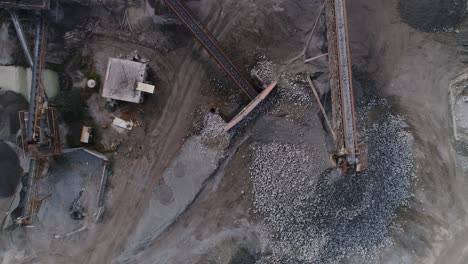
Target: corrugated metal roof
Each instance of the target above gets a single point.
(121, 80)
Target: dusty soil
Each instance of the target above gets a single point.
(414, 69)
(168, 118)
(410, 67)
(182, 77)
(213, 227)
(432, 15)
(164, 132)
(406, 66)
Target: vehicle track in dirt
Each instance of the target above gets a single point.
(135, 180)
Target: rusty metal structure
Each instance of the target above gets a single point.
(32, 202)
(347, 152)
(39, 125)
(208, 41)
(250, 107)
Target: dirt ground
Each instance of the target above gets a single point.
(415, 69)
(433, 15)
(410, 68)
(184, 83)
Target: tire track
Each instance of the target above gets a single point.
(131, 200)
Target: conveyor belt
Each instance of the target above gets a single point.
(350, 133)
(211, 45)
(341, 85)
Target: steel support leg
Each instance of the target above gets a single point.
(22, 39)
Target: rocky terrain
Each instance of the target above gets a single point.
(182, 191)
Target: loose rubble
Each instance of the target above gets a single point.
(263, 70)
(212, 133)
(314, 215)
(293, 89)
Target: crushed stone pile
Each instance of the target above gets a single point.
(293, 88)
(315, 215)
(212, 133)
(283, 188)
(263, 70)
(296, 90)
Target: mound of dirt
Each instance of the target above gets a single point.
(212, 132)
(432, 15)
(11, 170)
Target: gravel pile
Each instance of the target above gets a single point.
(263, 70)
(293, 89)
(283, 188)
(212, 133)
(296, 91)
(314, 215)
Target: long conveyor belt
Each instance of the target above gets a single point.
(341, 85)
(350, 133)
(211, 45)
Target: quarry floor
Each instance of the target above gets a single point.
(209, 216)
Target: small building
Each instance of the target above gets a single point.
(122, 79)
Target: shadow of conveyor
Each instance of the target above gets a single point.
(10, 170)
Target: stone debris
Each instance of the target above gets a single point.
(284, 183)
(212, 133)
(293, 89)
(263, 71)
(315, 215)
(296, 90)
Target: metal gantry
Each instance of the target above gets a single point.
(39, 125)
(341, 84)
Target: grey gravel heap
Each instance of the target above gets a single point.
(293, 89)
(315, 215)
(263, 70)
(296, 90)
(283, 186)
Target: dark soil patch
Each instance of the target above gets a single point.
(10, 170)
(243, 256)
(432, 15)
(10, 104)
